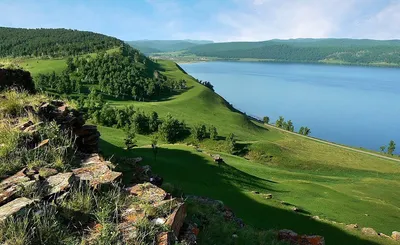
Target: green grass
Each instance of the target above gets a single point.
(335, 184)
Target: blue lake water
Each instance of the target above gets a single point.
(357, 106)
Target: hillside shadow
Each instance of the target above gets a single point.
(196, 176)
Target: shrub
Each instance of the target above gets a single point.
(199, 132)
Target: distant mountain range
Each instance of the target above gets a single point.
(340, 51)
(160, 46)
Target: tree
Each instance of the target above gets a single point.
(213, 132)
(171, 129)
(289, 126)
(130, 140)
(266, 120)
(231, 143)
(140, 123)
(391, 147)
(279, 123)
(382, 148)
(153, 122)
(301, 130)
(307, 131)
(199, 132)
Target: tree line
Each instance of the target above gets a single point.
(17, 42)
(122, 74)
(288, 125)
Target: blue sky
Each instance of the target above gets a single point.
(218, 20)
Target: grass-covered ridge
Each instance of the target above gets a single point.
(319, 178)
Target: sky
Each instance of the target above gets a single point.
(217, 20)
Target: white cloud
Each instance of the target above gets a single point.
(268, 19)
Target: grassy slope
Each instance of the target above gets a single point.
(333, 183)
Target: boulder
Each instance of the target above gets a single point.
(148, 192)
(396, 235)
(369, 231)
(384, 235)
(47, 172)
(165, 238)
(312, 240)
(14, 207)
(97, 174)
(10, 186)
(59, 183)
(268, 196)
(176, 219)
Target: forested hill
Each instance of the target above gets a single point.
(16, 42)
(158, 46)
(352, 51)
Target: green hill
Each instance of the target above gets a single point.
(343, 51)
(158, 46)
(16, 42)
(340, 186)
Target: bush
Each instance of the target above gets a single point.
(199, 132)
(171, 130)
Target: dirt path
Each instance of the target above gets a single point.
(333, 144)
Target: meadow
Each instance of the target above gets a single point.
(338, 185)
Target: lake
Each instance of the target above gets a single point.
(356, 106)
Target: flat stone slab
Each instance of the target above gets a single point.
(59, 182)
(97, 174)
(176, 219)
(14, 207)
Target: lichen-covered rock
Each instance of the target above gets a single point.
(148, 192)
(97, 174)
(369, 231)
(14, 207)
(59, 183)
(47, 172)
(176, 219)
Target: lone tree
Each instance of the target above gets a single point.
(301, 130)
(231, 143)
(383, 148)
(391, 147)
(266, 120)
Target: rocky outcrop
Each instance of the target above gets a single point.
(16, 78)
(176, 219)
(369, 231)
(148, 192)
(97, 174)
(396, 235)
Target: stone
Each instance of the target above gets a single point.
(86, 130)
(148, 192)
(47, 172)
(268, 196)
(14, 207)
(59, 183)
(88, 159)
(165, 238)
(295, 209)
(41, 144)
(292, 237)
(158, 221)
(352, 226)
(156, 180)
(10, 186)
(132, 214)
(97, 174)
(396, 235)
(176, 219)
(369, 231)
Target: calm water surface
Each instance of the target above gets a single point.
(357, 106)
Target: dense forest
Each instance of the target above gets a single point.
(122, 74)
(158, 46)
(306, 50)
(15, 42)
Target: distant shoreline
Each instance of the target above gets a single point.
(211, 59)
